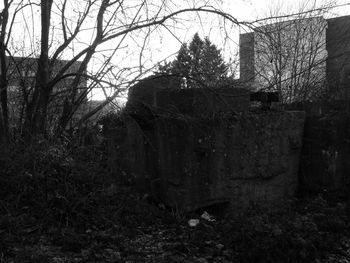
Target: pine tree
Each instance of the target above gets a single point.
(213, 64)
(200, 62)
(182, 65)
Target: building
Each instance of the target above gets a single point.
(338, 48)
(21, 75)
(303, 59)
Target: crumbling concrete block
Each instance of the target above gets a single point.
(241, 158)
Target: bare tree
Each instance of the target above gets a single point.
(83, 33)
(82, 45)
(8, 15)
(291, 58)
(3, 80)
(290, 54)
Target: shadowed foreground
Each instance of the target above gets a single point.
(63, 206)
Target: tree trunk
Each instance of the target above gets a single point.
(37, 110)
(4, 120)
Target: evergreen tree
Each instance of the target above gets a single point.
(183, 63)
(200, 62)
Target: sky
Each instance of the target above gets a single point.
(166, 46)
(243, 10)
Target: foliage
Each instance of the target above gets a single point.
(59, 203)
(113, 125)
(200, 62)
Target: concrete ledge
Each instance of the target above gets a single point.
(203, 101)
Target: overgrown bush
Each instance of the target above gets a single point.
(47, 176)
(61, 194)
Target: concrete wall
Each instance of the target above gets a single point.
(338, 61)
(202, 101)
(144, 91)
(247, 57)
(191, 161)
(325, 154)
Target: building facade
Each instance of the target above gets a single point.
(338, 60)
(21, 77)
(303, 59)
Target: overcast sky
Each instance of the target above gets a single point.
(244, 10)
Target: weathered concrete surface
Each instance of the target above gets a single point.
(242, 158)
(338, 60)
(247, 57)
(203, 101)
(325, 154)
(144, 91)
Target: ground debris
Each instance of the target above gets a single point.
(93, 222)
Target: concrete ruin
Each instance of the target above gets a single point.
(324, 165)
(190, 154)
